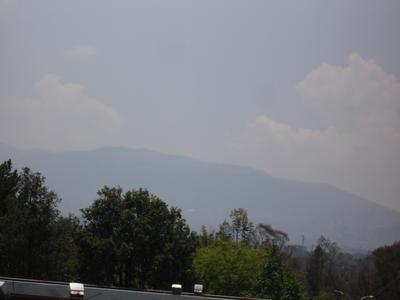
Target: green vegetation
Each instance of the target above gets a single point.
(387, 262)
(276, 281)
(139, 240)
(134, 239)
(228, 268)
(35, 240)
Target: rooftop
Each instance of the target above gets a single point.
(21, 289)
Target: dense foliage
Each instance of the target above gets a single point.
(134, 239)
(228, 268)
(140, 241)
(35, 240)
(276, 281)
(387, 262)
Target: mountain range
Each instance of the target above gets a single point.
(206, 192)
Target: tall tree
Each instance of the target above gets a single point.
(242, 227)
(8, 185)
(275, 281)
(206, 237)
(142, 241)
(225, 232)
(9, 180)
(100, 237)
(31, 228)
(332, 251)
(228, 268)
(387, 262)
(315, 270)
(241, 230)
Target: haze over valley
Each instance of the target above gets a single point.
(207, 192)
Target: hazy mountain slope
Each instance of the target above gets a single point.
(207, 192)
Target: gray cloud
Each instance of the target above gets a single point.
(357, 146)
(61, 116)
(360, 95)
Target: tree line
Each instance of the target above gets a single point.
(134, 239)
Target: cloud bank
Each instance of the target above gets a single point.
(61, 116)
(356, 146)
(358, 96)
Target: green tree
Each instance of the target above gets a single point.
(63, 254)
(275, 281)
(332, 252)
(9, 179)
(242, 227)
(238, 229)
(228, 268)
(225, 232)
(142, 242)
(315, 270)
(363, 276)
(241, 230)
(8, 185)
(100, 236)
(206, 237)
(387, 262)
(32, 232)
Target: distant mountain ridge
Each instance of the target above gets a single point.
(206, 192)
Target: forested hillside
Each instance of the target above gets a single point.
(133, 238)
(206, 192)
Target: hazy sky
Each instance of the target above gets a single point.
(308, 90)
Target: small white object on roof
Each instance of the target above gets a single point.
(76, 289)
(198, 288)
(176, 288)
(176, 285)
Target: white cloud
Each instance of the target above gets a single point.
(61, 116)
(81, 51)
(358, 95)
(357, 146)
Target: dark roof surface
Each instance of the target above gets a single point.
(33, 289)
